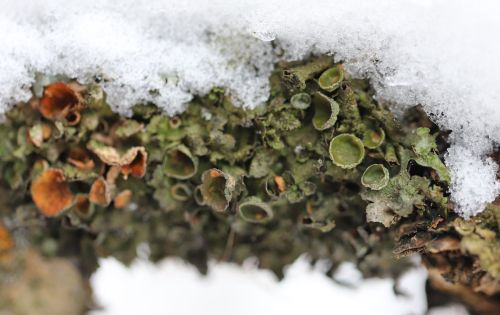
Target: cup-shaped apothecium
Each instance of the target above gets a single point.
(330, 79)
(100, 193)
(175, 122)
(137, 167)
(180, 192)
(133, 162)
(60, 101)
(373, 138)
(301, 100)
(375, 177)
(80, 158)
(254, 210)
(198, 196)
(180, 163)
(83, 208)
(347, 151)
(51, 192)
(275, 185)
(217, 189)
(325, 111)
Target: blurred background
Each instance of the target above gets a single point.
(173, 287)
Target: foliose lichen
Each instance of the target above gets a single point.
(322, 170)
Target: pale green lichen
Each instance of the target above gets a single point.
(253, 210)
(325, 111)
(424, 146)
(346, 151)
(301, 100)
(331, 79)
(180, 163)
(373, 139)
(375, 177)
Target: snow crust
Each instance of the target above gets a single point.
(442, 54)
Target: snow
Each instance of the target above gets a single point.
(441, 54)
(474, 178)
(172, 287)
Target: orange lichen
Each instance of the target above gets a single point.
(113, 173)
(100, 193)
(123, 199)
(215, 173)
(81, 203)
(6, 241)
(137, 167)
(80, 159)
(280, 183)
(82, 206)
(132, 162)
(59, 101)
(51, 192)
(73, 117)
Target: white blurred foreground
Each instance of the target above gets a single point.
(173, 287)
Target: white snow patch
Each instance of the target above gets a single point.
(173, 287)
(474, 179)
(442, 54)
